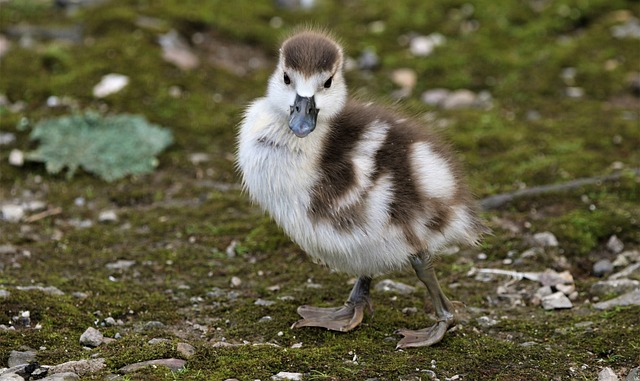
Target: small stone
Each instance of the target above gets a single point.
(6, 138)
(556, 301)
(109, 322)
(388, 285)
(236, 281)
(80, 367)
(615, 245)
(18, 358)
(602, 267)
(157, 340)
(91, 338)
(630, 29)
(607, 374)
(120, 264)
(51, 290)
(629, 299)
(12, 212)
(10, 377)
(153, 324)
(108, 216)
(66, 376)
(574, 92)
(110, 84)
(422, 46)
(4, 294)
(176, 50)
(545, 239)
(566, 289)
(553, 278)
(171, 363)
(264, 302)
(540, 293)
(405, 78)
(231, 249)
(620, 261)
(634, 374)
(186, 350)
(435, 97)
(459, 99)
(409, 310)
(486, 321)
(616, 286)
(626, 272)
(16, 158)
(199, 158)
(8, 249)
(287, 376)
(368, 60)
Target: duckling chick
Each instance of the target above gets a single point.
(359, 187)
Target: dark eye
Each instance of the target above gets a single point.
(328, 83)
(287, 80)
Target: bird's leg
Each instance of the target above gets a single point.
(340, 319)
(444, 309)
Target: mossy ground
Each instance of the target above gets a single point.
(177, 222)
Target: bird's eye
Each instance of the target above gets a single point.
(287, 80)
(328, 83)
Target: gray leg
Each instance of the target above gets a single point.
(341, 319)
(443, 308)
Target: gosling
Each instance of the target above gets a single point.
(357, 186)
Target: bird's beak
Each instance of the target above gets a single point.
(303, 116)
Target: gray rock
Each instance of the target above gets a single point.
(435, 97)
(556, 301)
(153, 324)
(6, 138)
(629, 299)
(630, 29)
(634, 374)
(185, 350)
(616, 286)
(540, 293)
(120, 264)
(607, 374)
(67, 376)
(459, 99)
(110, 321)
(12, 212)
(368, 60)
(172, 363)
(388, 285)
(423, 46)
(10, 377)
(8, 249)
(18, 358)
(157, 340)
(287, 376)
(486, 321)
(545, 239)
(627, 272)
(91, 338)
(4, 294)
(615, 245)
(108, 216)
(264, 302)
(47, 290)
(602, 267)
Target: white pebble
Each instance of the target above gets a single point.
(110, 84)
(16, 158)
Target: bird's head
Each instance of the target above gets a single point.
(308, 85)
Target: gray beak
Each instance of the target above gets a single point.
(303, 116)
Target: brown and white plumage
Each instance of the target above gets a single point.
(356, 185)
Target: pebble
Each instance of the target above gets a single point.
(486, 321)
(602, 267)
(607, 374)
(235, 281)
(107, 216)
(51, 290)
(422, 46)
(186, 350)
(388, 285)
(67, 376)
(80, 367)
(556, 301)
(12, 212)
(541, 293)
(16, 158)
(6, 138)
(626, 272)
(287, 376)
(435, 97)
(264, 302)
(120, 264)
(545, 239)
(171, 363)
(615, 286)
(634, 374)
(405, 78)
(459, 99)
(631, 298)
(110, 84)
(18, 358)
(630, 29)
(615, 245)
(157, 340)
(91, 337)
(368, 60)
(176, 50)
(7, 249)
